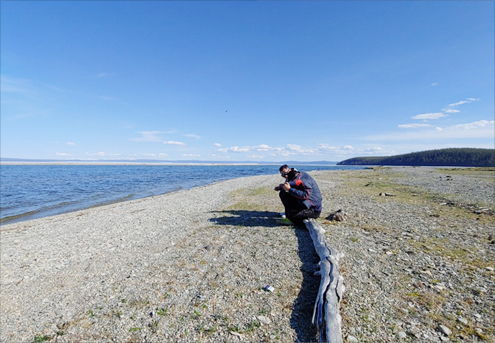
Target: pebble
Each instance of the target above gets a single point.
(264, 319)
(445, 330)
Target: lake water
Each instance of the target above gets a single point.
(35, 191)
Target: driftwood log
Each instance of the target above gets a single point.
(326, 313)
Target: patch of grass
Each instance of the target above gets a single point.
(261, 191)
(372, 184)
(444, 247)
(486, 171)
(209, 330)
(39, 338)
(431, 300)
(90, 314)
(154, 325)
(235, 328)
(454, 211)
(247, 206)
(139, 302)
(162, 311)
(370, 228)
(252, 326)
(257, 199)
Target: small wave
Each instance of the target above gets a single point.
(60, 208)
(173, 190)
(17, 216)
(127, 197)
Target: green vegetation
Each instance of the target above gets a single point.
(258, 199)
(39, 339)
(162, 311)
(460, 157)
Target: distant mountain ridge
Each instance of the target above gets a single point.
(458, 157)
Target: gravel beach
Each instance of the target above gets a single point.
(191, 266)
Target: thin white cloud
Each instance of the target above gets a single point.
(451, 108)
(430, 116)
(174, 143)
(288, 150)
(459, 103)
(434, 84)
(70, 143)
(373, 150)
(191, 155)
(13, 85)
(235, 149)
(326, 147)
(104, 154)
(62, 154)
(474, 125)
(264, 147)
(477, 129)
(299, 149)
(261, 147)
(192, 135)
(217, 144)
(148, 136)
(467, 101)
(413, 126)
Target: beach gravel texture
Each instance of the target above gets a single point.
(191, 266)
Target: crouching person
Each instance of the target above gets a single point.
(300, 195)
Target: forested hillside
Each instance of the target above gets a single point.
(460, 157)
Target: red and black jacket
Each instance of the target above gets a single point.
(305, 189)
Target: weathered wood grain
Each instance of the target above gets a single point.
(326, 314)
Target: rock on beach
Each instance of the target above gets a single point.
(191, 265)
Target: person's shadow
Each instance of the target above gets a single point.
(246, 218)
(302, 311)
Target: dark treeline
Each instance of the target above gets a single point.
(460, 157)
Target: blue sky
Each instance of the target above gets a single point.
(244, 80)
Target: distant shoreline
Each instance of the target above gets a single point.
(100, 163)
(21, 161)
(96, 163)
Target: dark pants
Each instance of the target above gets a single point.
(295, 211)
